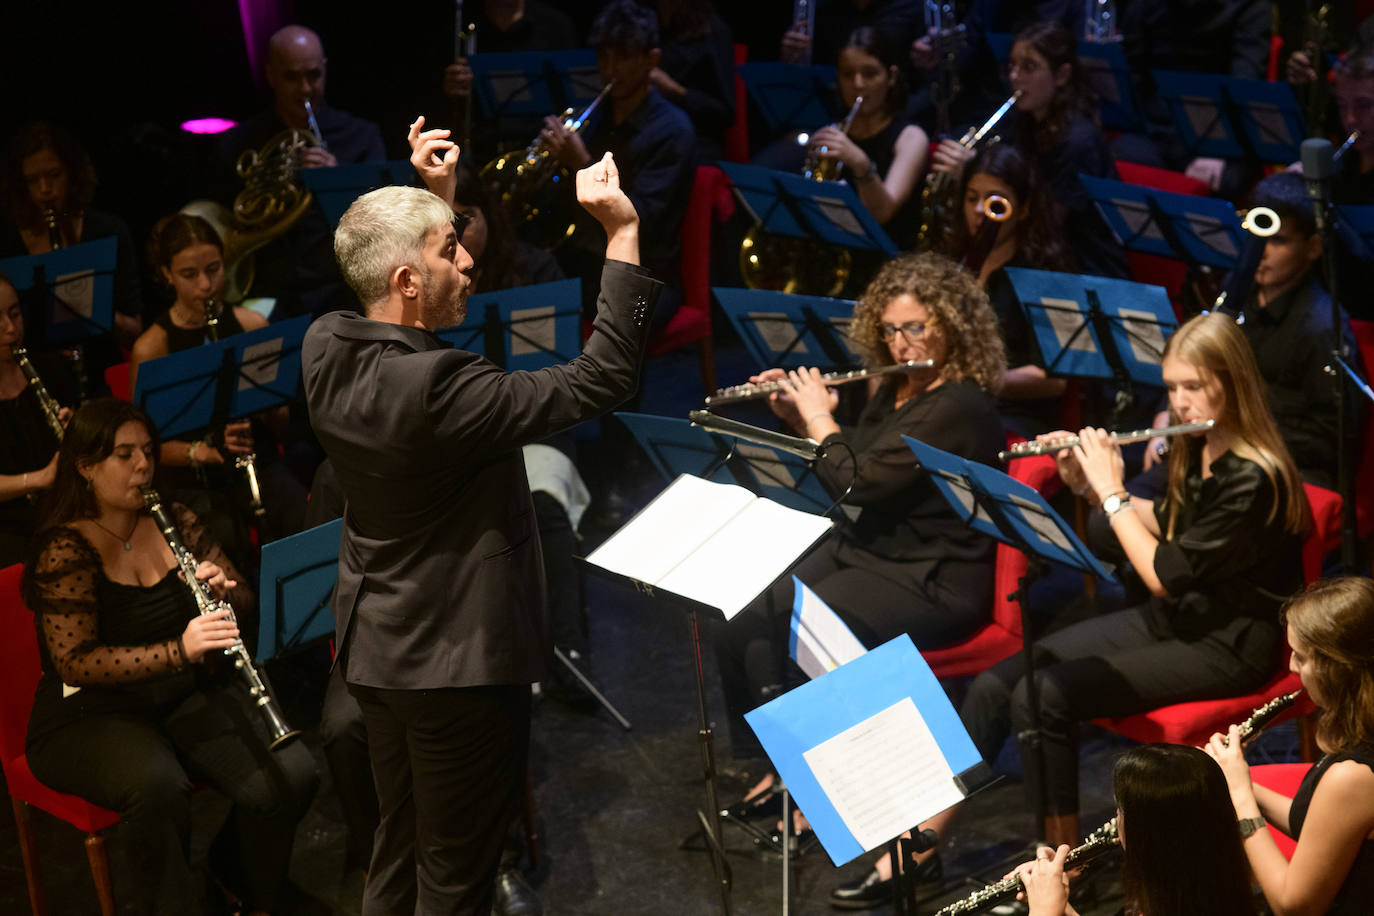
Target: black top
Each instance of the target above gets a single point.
(881, 148)
(1081, 148)
(27, 444)
(704, 65)
(1229, 566)
(1358, 889)
(97, 224)
(1291, 338)
(179, 338)
(298, 268)
(982, 83)
(903, 518)
(1027, 417)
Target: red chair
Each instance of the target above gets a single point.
(1364, 467)
(1148, 268)
(117, 380)
(1283, 778)
(1002, 636)
(19, 671)
(737, 134)
(691, 324)
(1326, 530)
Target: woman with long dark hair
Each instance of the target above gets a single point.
(1181, 850)
(136, 700)
(1331, 632)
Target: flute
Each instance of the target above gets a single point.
(753, 390)
(46, 401)
(1039, 447)
(207, 603)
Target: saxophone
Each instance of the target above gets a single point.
(246, 463)
(46, 401)
(938, 204)
(207, 603)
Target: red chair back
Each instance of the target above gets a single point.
(737, 134)
(1364, 467)
(1325, 535)
(19, 669)
(117, 380)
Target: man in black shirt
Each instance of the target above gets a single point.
(298, 268)
(652, 142)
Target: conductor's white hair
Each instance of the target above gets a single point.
(383, 230)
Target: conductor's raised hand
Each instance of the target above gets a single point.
(599, 193)
(435, 158)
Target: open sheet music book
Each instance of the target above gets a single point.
(716, 544)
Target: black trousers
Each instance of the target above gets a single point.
(344, 737)
(1104, 667)
(143, 767)
(751, 650)
(449, 766)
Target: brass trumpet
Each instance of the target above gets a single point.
(752, 390)
(1046, 446)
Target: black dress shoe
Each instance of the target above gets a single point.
(514, 897)
(871, 890)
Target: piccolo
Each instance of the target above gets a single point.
(753, 390)
(1046, 446)
(51, 409)
(207, 603)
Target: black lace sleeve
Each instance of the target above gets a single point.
(62, 592)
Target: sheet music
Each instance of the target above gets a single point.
(777, 331)
(839, 215)
(509, 86)
(75, 292)
(260, 364)
(766, 465)
(884, 774)
(1138, 218)
(824, 643)
(1066, 317)
(1145, 334)
(532, 331)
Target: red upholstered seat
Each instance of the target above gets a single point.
(1364, 467)
(1002, 636)
(117, 380)
(737, 134)
(1283, 778)
(1326, 530)
(19, 672)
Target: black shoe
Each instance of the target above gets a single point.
(871, 890)
(768, 803)
(514, 897)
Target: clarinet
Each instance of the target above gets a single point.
(45, 400)
(1100, 841)
(246, 463)
(207, 603)
(1263, 715)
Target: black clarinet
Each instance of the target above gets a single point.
(46, 401)
(246, 463)
(207, 603)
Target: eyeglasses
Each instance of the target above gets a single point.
(913, 331)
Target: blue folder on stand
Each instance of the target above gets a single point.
(790, 97)
(223, 380)
(524, 327)
(1198, 230)
(788, 330)
(576, 76)
(297, 580)
(78, 287)
(335, 189)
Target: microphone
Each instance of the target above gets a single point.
(808, 449)
(1318, 168)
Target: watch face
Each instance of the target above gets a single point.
(1111, 504)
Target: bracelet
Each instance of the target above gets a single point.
(870, 175)
(25, 484)
(191, 454)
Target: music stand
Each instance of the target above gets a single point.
(219, 381)
(512, 85)
(523, 328)
(789, 329)
(576, 76)
(70, 291)
(822, 211)
(1232, 118)
(1013, 513)
(335, 189)
(790, 97)
(1097, 327)
(296, 580)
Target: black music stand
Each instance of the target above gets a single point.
(296, 580)
(1015, 514)
(789, 329)
(576, 76)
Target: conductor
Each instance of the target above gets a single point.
(440, 606)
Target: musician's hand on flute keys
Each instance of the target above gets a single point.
(1045, 886)
(435, 158)
(814, 402)
(206, 633)
(1100, 459)
(1228, 751)
(1066, 462)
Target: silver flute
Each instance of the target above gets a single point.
(753, 390)
(207, 603)
(1046, 446)
(46, 401)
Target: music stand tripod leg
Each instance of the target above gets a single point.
(710, 819)
(588, 686)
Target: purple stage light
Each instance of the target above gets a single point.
(207, 125)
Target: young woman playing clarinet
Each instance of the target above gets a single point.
(1331, 633)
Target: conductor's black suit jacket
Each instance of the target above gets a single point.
(440, 578)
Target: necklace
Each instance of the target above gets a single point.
(126, 541)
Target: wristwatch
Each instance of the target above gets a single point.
(1248, 825)
(1115, 503)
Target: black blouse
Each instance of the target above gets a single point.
(1229, 565)
(1358, 889)
(902, 515)
(179, 338)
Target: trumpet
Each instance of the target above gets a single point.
(996, 211)
(1046, 446)
(936, 194)
(207, 603)
(46, 401)
(527, 181)
(246, 463)
(754, 390)
(819, 168)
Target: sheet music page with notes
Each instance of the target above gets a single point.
(714, 543)
(884, 774)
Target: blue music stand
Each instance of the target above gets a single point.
(335, 189)
(71, 291)
(1096, 327)
(1104, 64)
(790, 97)
(297, 579)
(513, 85)
(576, 76)
(790, 330)
(1232, 118)
(223, 380)
(1270, 116)
(824, 211)
(523, 328)
(1197, 230)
